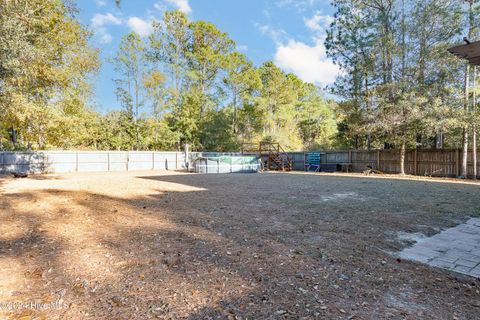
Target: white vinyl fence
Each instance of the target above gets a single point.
(89, 161)
(98, 161)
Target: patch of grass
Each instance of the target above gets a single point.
(476, 213)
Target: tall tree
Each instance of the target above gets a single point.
(209, 50)
(169, 46)
(316, 119)
(202, 91)
(350, 43)
(399, 80)
(275, 94)
(45, 64)
(243, 80)
(130, 65)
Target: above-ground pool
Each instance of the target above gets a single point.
(227, 164)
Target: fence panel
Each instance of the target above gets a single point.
(363, 158)
(298, 160)
(19, 161)
(334, 157)
(89, 161)
(92, 162)
(140, 161)
(168, 160)
(441, 163)
(470, 163)
(117, 161)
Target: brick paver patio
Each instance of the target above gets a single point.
(456, 249)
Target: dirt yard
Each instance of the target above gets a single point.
(252, 246)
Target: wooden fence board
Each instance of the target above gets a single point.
(439, 163)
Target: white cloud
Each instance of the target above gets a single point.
(105, 37)
(99, 20)
(319, 22)
(159, 7)
(277, 35)
(101, 3)
(309, 63)
(300, 5)
(181, 5)
(99, 23)
(141, 27)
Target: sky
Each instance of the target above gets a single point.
(289, 32)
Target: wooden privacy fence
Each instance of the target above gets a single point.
(439, 163)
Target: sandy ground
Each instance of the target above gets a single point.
(253, 246)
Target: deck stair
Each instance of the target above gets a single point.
(273, 156)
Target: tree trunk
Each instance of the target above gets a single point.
(367, 107)
(402, 159)
(137, 133)
(439, 140)
(234, 125)
(404, 51)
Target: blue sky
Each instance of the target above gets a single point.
(289, 32)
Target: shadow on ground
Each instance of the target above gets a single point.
(251, 246)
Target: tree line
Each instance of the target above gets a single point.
(45, 65)
(401, 87)
(185, 84)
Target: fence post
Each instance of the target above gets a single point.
(415, 162)
(153, 160)
(378, 159)
(108, 161)
(187, 157)
(457, 165)
(76, 161)
(128, 160)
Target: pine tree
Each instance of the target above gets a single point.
(130, 65)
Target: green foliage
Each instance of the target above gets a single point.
(130, 64)
(318, 124)
(188, 84)
(400, 85)
(185, 84)
(215, 99)
(45, 62)
(158, 135)
(218, 131)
